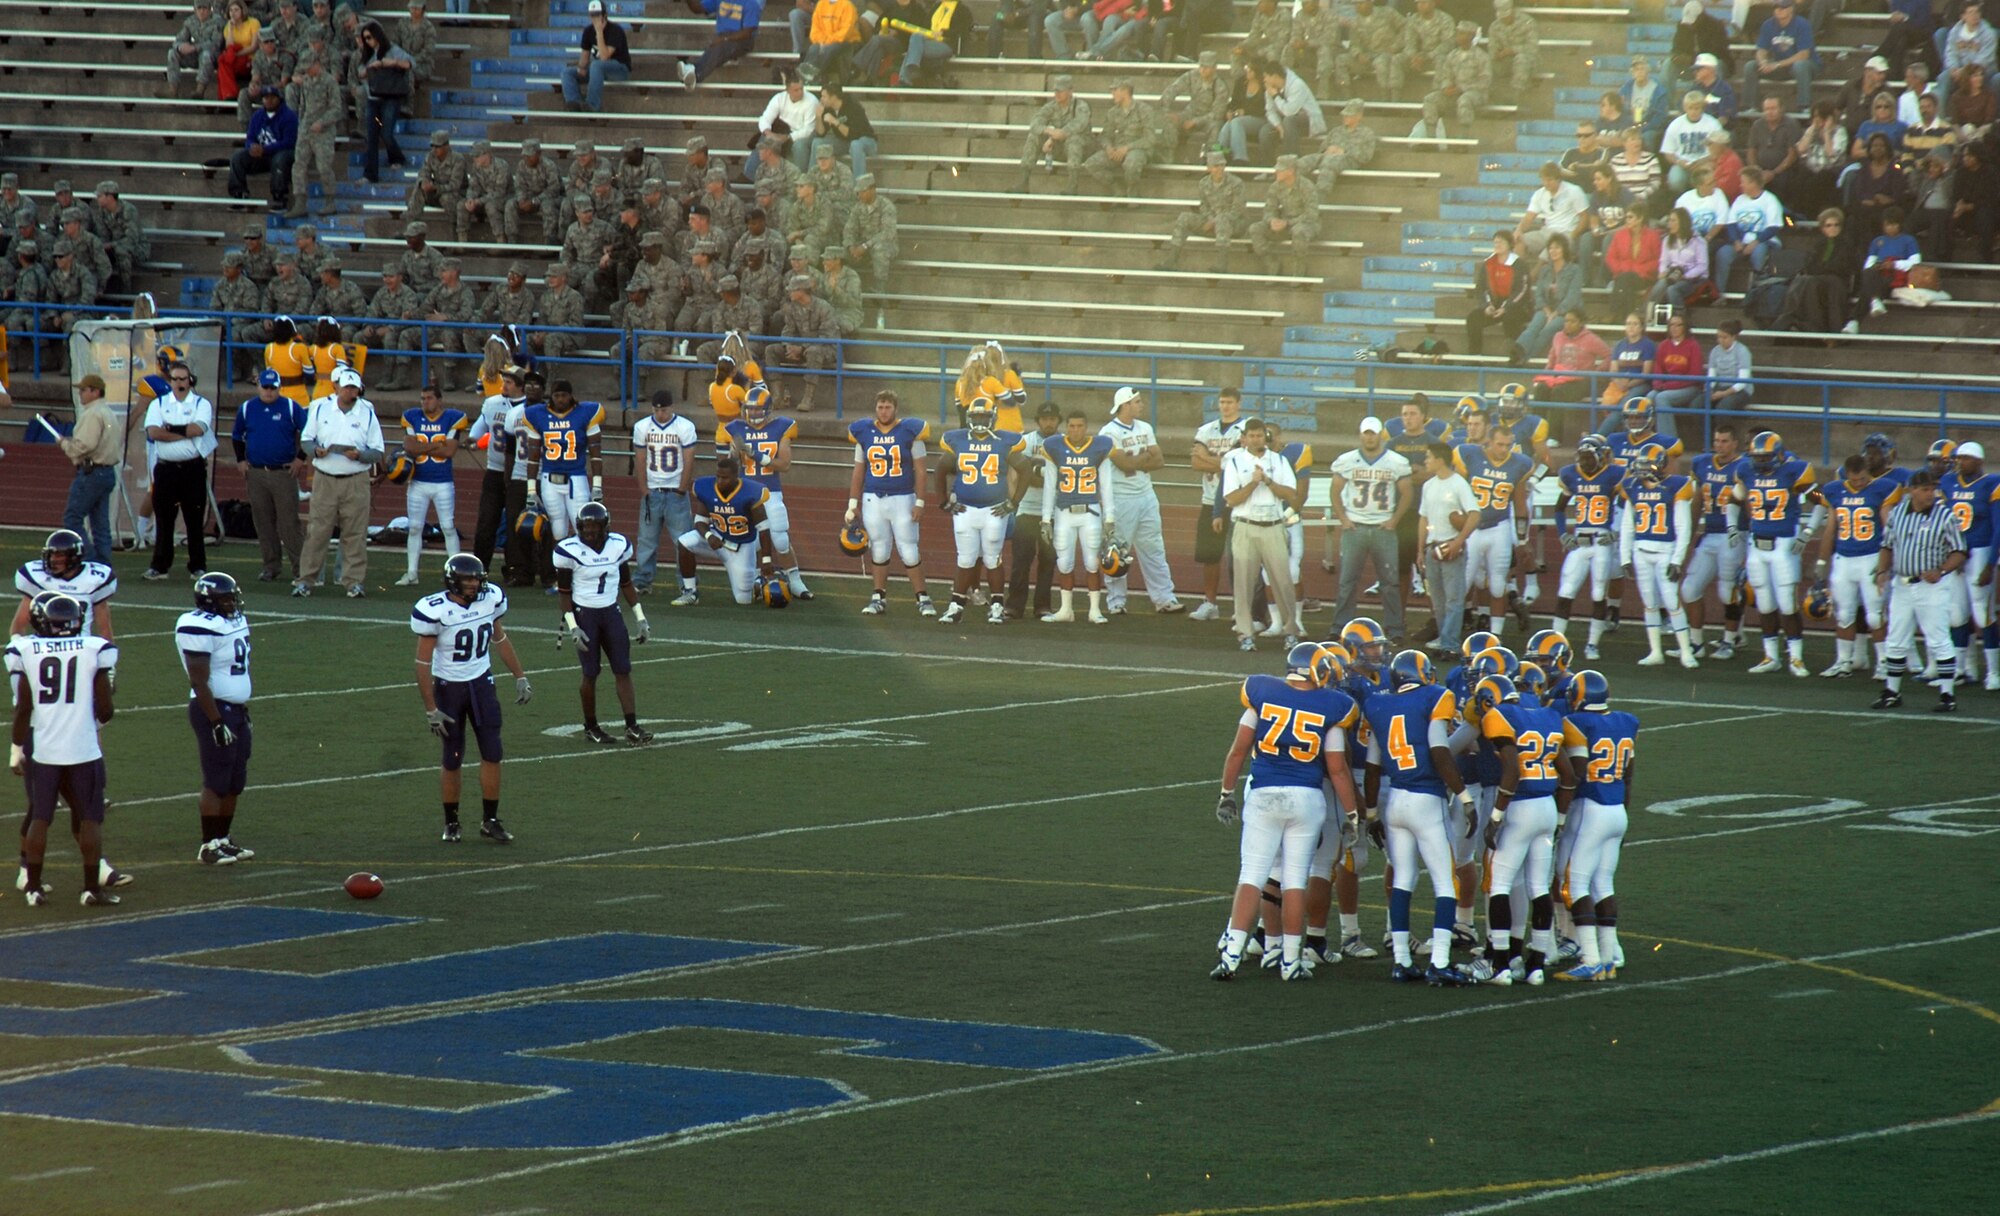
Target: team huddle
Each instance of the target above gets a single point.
(1517, 769)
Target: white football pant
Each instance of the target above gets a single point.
(1078, 532)
(891, 520)
(1281, 826)
(1774, 575)
(1489, 555)
(1595, 831)
(981, 533)
(425, 497)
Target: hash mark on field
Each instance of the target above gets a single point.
(191, 1188)
(1786, 996)
(506, 890)
(1128, 937)
(856, 920)
(749, 908)
(273, 873)
(626, 899)
(64, 1172)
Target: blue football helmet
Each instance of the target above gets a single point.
(1513, 402)
(218, 594)
(1879, 451)
(1590, 691)
(1550, 651)
(773, 592)
(1534, 682)
(1767, 448)
(531, 526)
(464, 576)
(757, 404)
(853, 539)
(1491, 692)
(980, 417)
(62, 553)
(1637, 415)
(1476, 642)
(1593, 452)
(401, 469)
(1941, 458)
(1411, 669)
(1649, 464)
(593, 524)
(1317, 662)
(1367, 641)
(1819, 603)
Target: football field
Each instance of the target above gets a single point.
(901, 918)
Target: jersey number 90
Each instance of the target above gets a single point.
(470, 644)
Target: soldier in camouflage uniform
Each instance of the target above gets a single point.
(735, 309)
(536, 194)
(90, 252)
(290, 293)
(69, 285)
(834, 179)
(258, 261)
(1125, 142)
(1348, 146)
(347, 61)
(290, 27)
(1269, 33)
(772, 165)
(657, 209)
(841, 289)
(702, 290)
(561, 308)
(453, 300)
(339, 298)
(604, 193)
(1219, 211)
(1516, 45)
(772, 203)
(391, 327)
(644, 311)
(668, 280)
(1291, 211)
(237, 292)
(760, 236)
(197, 44)
(625, 237)
(1375, 49)
(17, 211)
(270, 69)
(802, 316)
(802, 262)
(725, 210)
(1427, 38)
(440, 179)
(1060, 130)
(23, 281)
(419, 261)
(687, 191)
(698, 230)
(870, 238)
(317, 100)
(488, 186)
(810, 221)
(510, 302)
(1464, 79)
(1192, 108)
(1317, 34)
(117, 223)
(764, 282)
(309, 252)
(417, 34)
(587, 249)
(636, 165)
(61, 199)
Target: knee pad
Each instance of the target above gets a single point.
(907, 551)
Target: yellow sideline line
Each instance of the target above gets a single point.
(1972, 1007)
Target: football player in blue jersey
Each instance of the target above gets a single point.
(1637, 427)
(593, 573)
(1293, 731)
(1498, 475)
(884, 496)
(730, 524)
(458, 633)
(1535, 784)
(1585, 515)
(1880, 452)
(1774, 487)
(1077, 511)
(762, 443)
(1970, 492)
(972, 483)
(1717, 559)
(1653, 543)
(1849, 551)
(1603, 742)
(1409, 725)
(565, 466)
(431, 438)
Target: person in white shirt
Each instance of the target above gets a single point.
(1259, 488)
(180, 425)
(1557, 208)
(344, 440)
(1754, 225)
(1446, 515)
(1212, 439)
(798, 111)
(1686, 142)
(490, 431)
(1135, 453)
(60, 680)
(664, 444)
(1371, 494)
(1707, 206)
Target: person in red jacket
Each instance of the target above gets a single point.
(1632, 259)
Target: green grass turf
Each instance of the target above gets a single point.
(1037, 849)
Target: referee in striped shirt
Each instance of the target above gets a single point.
(1921, 544)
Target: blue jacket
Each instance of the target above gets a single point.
(277, 131)
(734, 16)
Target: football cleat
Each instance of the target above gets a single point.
(1354, 947)
(1517, 969)
(688, 598)
(1582, 974)
(494, 831)
(212, 854)
(408, 580)
(951, 613)
(1688, 660)
(1592, 654)
(1270, 960)
(1798, 668)
(1317, 953)
(1534, 979)
(451, 833)
(1405, 973)
(925, 607)
(596, 734)
(236, 850)
(1567, 951)
(1653, 660)
(1061, 616)
(996, 613)
(1766, 667)
(1618, 958)
(1225, 968)
(1888, 700)
(1296, 970)
(96, 899)
(636, 735)
(876, 606)
(1447, 977)
(1464, 935)
(38, 898)
(1483, 972)
(1723, 651)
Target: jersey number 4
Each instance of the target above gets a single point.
(1305, 726)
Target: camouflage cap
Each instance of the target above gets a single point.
(1123, 82)
(696, 143)
(27, 248)
(252, 232)
(635, 144)
(267, 35)
(517, 267)
(822, 147)
(1354, 108)
(1287, 163)
(1064, 83)
(583, 202)
(832, 253)
(652, 185)
(1215, 158)
(482, 147)
(531, 147)
(10, 181)
(415, 228)
(729, 282)
(1206, 60)
(64, 249)
(865, 182)
(653, 240)
(448, 264)
(714, 175)
(440, 139)
(74, 215)
(556, 270)
(602, 177)
(801, 254)
(1467, 27)
(770, 143)
(799, 282)
(286, 258)
(640, 283)
(61, 186)
(392, 268)
(305, 230)
(330, 266)
(583, 147)
(107, 186)
(233, 258)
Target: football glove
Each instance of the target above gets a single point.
(597, 488)
(522, 690)
(1469, 807)
(1049, 532)
(222, 735)
(1674, 573)
(1226, 813)
(1493, 831)
(438, 722)
(1378, 832)
(645, 631)
(533, 503)
(1003, 509)
(1798, 544)
(953, 507)
(1110, 533)
(1735, 536)
(1569, 541)
(17, 759)
(1350, 831)
(572, 634)
(853, 512)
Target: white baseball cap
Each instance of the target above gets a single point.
(346, 377)
(1371, 423)
(1123, 395)
(1706, 60)
(1971, 449)
(596, 7)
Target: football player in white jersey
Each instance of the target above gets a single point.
(62, 568)
(458, 633)
(61, 681)
(594, 572)
(214, 645)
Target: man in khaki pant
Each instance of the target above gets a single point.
(345, 442)
(266, 439)
(1259, 488)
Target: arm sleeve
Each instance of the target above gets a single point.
(1104, 471)
(1683, 524)
(1048, 486)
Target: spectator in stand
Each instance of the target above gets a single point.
(1189, 20)
(1590, 152)
(1639, 172)
(1754, 229)
(1686, 142)
(239, 47)
(1911, 25)
(1977, 196)
(1127, 30)
(1707, 207)
(1292, 115)
(1574, 355)
(1678, 367)
(1916, 85)
(1729, 369)
(1500, 292)
(942, 37)
(1857, 99)
(1930, 216)
(1683, 262)
(1709, 81)
(1784, 47)
(1025, 15)
(1822, 151)
(1612, 116)
(1632, 259)
(267, 149)
(1881, 121)
(1556, 209)
(385, 68)
(1887, 267)
(1634, 360)
(735, 31)
(1972, 107)
(1774, 143)
(1725, 166)
(1827, 281)
(1877, 185)
(1697, 34)
(1929, 133)
(1968, 48)
(835, 36)
(1070, 17)
(1558, 292)
(792, 115)
(843, 121)
(198, 43)
(1609, 204)
(603, 53)
(1646, 100)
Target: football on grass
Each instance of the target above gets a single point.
(364, 886)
